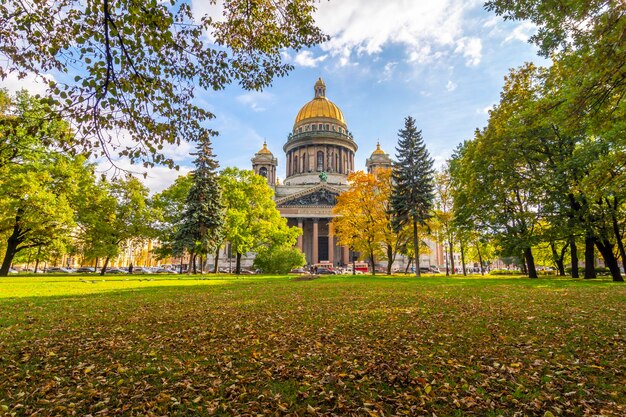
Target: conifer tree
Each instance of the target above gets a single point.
(202, 222)
(413, 189)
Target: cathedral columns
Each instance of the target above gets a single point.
(331, 244)
(301, 226)
(315, 242)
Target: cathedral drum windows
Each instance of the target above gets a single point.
(320, 161)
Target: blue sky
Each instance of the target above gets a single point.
(440, 61)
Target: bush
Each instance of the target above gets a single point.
(279, 260)
(600, 270)
(504, 272)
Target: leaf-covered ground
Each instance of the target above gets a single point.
(332, 346)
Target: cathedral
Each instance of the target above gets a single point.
(319, 155)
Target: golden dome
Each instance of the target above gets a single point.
(264, 150)
(378, 151)
(320, 107)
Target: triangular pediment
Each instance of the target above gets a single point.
(320, 195)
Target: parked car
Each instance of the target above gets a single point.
(299, 271)
(115, 271)
(56, 270)
(142, 270)
(13, 271)
(86, 270)
(32, 270)
(162, 270)
(325, 271)
(348, 271)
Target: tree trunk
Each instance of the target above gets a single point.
(574, 256)
(217, 259)
(530, 262)
(451, 256)
(606, 249)
(480, 258)
(180, 269)
(372, 263)
(620, 242)
(416, 249)
(95, 268)
(524, 264)
(238, 264)
(462, 244)
(104, 267)
(561, 263)
(38, 257)
(590, 256)
(11, 250)
(12, 244)
(558, 259)
(201, 263)
(389, 259)
(408, 266)
(192, 264)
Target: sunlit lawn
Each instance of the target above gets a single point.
(338, 345)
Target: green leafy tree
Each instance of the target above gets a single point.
(169, 206)
(135, 65)
(201, 226)
(35, 203)
(96, 232)
(37, 185)
(413, 192)
(252, 220)
(443, 229)
(119, 213)
(586, 86)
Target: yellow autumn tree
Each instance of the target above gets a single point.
(393, 241)
(361, 216)
(363, 221)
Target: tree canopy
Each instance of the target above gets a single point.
(132, 67)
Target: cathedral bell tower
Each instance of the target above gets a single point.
(264, 163)
(378, 160)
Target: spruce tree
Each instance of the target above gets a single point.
(413, 188)
(202, 222)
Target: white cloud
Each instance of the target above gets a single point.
(387, 73)
(471, 49)
(522, 32)
(306, 59)
(35, 84)
(451, 86)
(427, 30)
(156, 179)
(256, 100)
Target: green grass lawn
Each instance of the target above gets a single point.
(338, 345)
